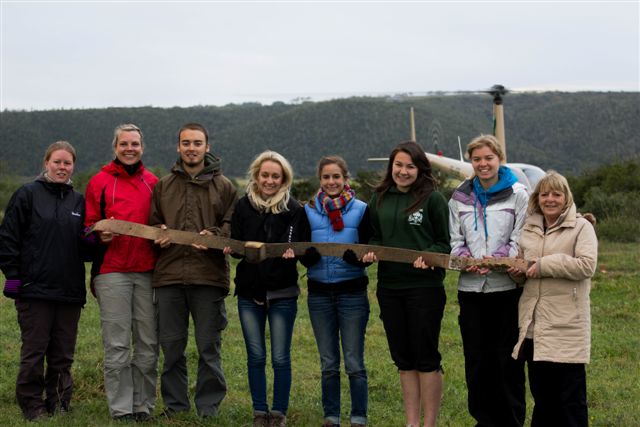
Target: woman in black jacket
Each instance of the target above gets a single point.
(268, 291)
(40, 256)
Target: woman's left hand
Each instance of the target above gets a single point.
(204, 232)
(533, 272)
(515, 272)
(419, 263)
(288, 254)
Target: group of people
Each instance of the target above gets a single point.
(147, 290)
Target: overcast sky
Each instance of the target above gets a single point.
(98, 54)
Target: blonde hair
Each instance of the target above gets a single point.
(278, 203)
(552, 181)
(127, 127)
(489, 141)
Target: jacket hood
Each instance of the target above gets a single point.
(211, 166)
(506, 179)
(54, 187)
(567, 218)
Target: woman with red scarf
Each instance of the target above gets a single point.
(338, 302)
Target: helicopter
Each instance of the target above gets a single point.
(527, 174)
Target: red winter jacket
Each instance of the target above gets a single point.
(112, 192)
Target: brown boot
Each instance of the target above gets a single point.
(260, 419)
(277, 419)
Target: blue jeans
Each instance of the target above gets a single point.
(281, 314)
(341, 318)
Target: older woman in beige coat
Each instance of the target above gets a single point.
(554, 318)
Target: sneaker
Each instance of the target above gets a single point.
(329, 423)
(277, 419)
(64, 409)
(141, 417)
(59, 408)
(260, 419)
(357, 425)
(36, 415)
(126, 418)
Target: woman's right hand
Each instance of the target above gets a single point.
(369, 257)
(227, 250)
(477, 269)
(107, 236)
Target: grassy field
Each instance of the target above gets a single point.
(613, 375)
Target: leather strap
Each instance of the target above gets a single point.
(258, 251)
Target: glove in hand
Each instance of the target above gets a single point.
(12, 288)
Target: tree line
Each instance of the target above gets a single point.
(611, 192)
(568, 132)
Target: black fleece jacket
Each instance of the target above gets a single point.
(41, 242)
(253, 280)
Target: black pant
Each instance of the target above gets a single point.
(412, 318)
(495, 381)
(559, 391)
(49, 330)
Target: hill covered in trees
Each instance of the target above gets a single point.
(569, 132)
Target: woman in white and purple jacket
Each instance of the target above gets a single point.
(486, 214)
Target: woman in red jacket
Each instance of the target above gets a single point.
(121, 280)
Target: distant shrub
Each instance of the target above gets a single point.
(610, 205)
(304, 189)
(619, 229)
(8, 185)
(612, 194)
(617, 214)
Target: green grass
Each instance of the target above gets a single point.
(612, 376)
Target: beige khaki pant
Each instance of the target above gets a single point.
(130, 337)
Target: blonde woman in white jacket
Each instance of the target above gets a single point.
(486, 214)
(554, 317)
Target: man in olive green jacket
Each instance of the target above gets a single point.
(195, 197)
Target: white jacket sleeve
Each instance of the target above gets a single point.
(458, 242)
(522, 200)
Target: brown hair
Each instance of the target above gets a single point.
(59, 145)
(424, 184)
(333, 160)
(194, 126)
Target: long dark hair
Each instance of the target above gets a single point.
(424, 184)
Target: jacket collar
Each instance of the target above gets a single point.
(54, 187)
(567, 219)
(117, 169)
(466, 195)
(211, 168)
